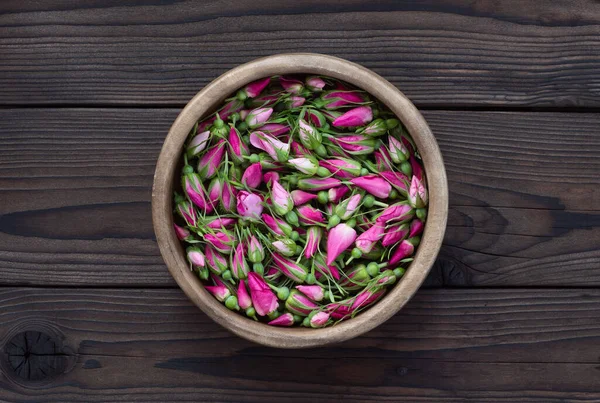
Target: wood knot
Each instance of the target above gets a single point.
(34, 356)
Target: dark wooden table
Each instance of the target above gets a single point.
(88, 311)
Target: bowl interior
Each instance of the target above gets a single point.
(167, 178)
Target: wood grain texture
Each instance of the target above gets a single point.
(437, 52)
(445, 346)
(75, 197)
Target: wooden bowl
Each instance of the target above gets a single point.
(167, 174)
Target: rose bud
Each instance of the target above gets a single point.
(308, 215)
(354, 117)
(215, 190)
(306, 165)
(256, 252)
(313, 238)
(221, 241)
(315, 118)
(186, 211)
(320, 319)
(243, 296)
(220, 292)
(249, 205)
(301, 197)
(315, 83)
(295, 101)
(402, 251)
(253, 89)
(417, 194)
(336, 99)
(335, 195)
(239, 266)
(346, 208)
(339, 239)
(398, 180)
(195, 257)
(331, 269)
(299, 304)
(228, 197)
(237, 148)
(278, 150)
(289, 268)
(318, 184)
(309, 135)
(398, 152)
(373, 184)
(192, 185)
(367, 240)
(210, 162)
(281, 199)
(366, 298)
(314, 292)
(275, 129)
(383, 160)
(264, 299)
(342, 167)
(416, 228)
(252, 176)
(270, 176)
(356, 144)
(396, 212)
(224, 222)
(278, 226)
(375, 128)
(395, 234)
(198, 144)
(286, 246)
(291, 85)
(287, 319)
(258, 117)
(215, 261)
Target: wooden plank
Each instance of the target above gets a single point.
(445, 346)
(439, 53)
(75, 188)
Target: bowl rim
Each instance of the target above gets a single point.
(306, 63)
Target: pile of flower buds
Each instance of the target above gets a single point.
(302, 201)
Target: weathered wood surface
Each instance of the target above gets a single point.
(75, 189)
(440, 53)
(445, 346)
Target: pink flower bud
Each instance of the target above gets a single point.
(198, 144)
(281, 199)
(230, 107)
(256, 252)
(289, 268)
(228, 197)
(313, 238)
(209, 163)
(270, 177)
(291, 85)
(336, 194)
(278, 226)
(275, 129)
(308, 215)
(296, 101)
(386, 278)
(182, 233)
(278, 150)
(263, 299)
(309, 135)
(287, 319)
(346, 208)
(249, 205)
(299, 150)
(306, 165)
(315, 118)
(367, 240)
(354, 117)
(402, 251)
(398, 152)
(215, 190)
(331, 115)
(398, 180)
(373, 184)
(383, 160)
(264, 100)
(258, 116)
(195, 257)
(366, 298)
(286, 246)
(239, 266)
(336, 99)
(339, 239)
(355, 145)
(314, 292)
(192, 185)
(299, 304)
(320, 319)
(244, 300)
(344, 168)
(318, 184)
(253, 89)
(187, 212)
(215, 261)
(224, 222)
(220, 292)
(417, 194)
(237, 148)
(417, 169)
(331, 269)
(396, 212)
(221, 241)
(252, 176)
(301, 197)
(202, 126)
(395, 234)
(375, 128)
(315, 83)
(416, 228)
